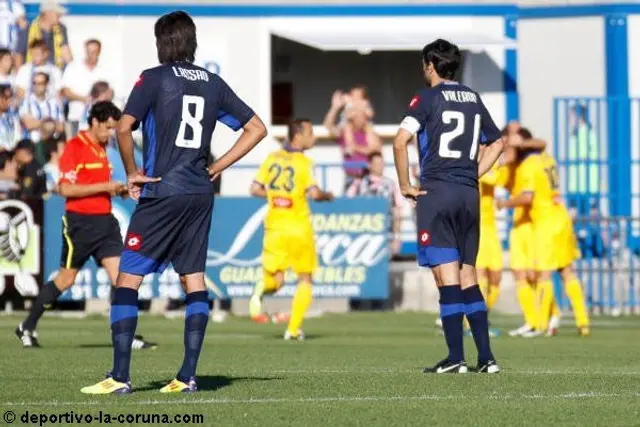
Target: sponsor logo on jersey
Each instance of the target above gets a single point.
(282, 202)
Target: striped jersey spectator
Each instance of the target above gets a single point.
(375, 184)
(9, 120)
(39, 106)
(38, 64)
(12, 17)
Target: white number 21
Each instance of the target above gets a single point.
(447, 137)
(191, 120)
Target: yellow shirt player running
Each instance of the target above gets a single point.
(489, 260)
(286, 180)
(554, 244)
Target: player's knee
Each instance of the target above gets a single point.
(305, 278)
(495, 277)
(543, 276)
(567, 274)
(65, 278)
(273, 281)
(131, 281)
(447, 274)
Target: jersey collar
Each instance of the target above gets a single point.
(97, 149)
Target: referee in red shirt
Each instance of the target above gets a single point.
(88, 227)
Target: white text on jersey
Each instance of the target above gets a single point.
(192, 75)
(459, 96)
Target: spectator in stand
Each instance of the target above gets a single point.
(375, 184)
(53, 151)
(13, 26)
(39, 106)
(356, 138)
(8, 176)
(78, 80)
(100, 91)
(9, 120)
(7, 78)
(37, 64)
(584, 160)
(47, 27)
(48, 134)
(31, 176)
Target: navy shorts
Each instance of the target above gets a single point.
(85, 236)
(172, 229)
(448, 224)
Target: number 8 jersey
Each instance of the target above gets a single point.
(450, 121)
(178, 105)
(287, 175)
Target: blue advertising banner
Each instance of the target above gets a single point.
(351, 241)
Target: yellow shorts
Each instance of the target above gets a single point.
(521, 247)
(490, 250)
(289, 249)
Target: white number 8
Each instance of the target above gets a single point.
(193, 121)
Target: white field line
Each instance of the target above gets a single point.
(337, 399)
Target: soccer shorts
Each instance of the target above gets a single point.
(172, 229)
(284, 249)
(521, 247)
(448, 224)
(490, 250)
(85, 236)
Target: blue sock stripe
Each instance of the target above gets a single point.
(197, 296)
(125, 296)
(474, 307)
(197, 307)
(451, 309)
(120, 312)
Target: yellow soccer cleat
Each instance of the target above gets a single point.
(108, 386)
(584, 331)
(177, 386)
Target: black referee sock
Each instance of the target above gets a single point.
(47, 296)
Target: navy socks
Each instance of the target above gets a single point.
(452, 311)
(195, 325)
(124, 319)
(476, 311)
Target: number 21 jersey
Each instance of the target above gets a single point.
(178, 105)
(450, 121)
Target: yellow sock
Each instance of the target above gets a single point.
(494, 293)
(527, 300)
(576, 297)
(299, 306)
(547, 300)
(483, 283)
(268, 285)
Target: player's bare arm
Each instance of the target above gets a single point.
(257, 190)
(489, 156)
(319, 195)
(523, 199)
(254, 131)
(401, 160)
(135, 178)
(71, 191)
(337, 103)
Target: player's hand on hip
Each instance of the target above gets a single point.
(214, 172)
(411, 193)
(135, 183)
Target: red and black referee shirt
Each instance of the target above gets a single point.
(85, 162)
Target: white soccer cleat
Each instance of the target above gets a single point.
(533, 334)
(288, 336)
(520, 331)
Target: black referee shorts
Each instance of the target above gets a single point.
(85, 236)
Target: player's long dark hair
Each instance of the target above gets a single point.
(445, 57)
(176, 38)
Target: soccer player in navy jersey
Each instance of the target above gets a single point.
(450, 121)
(178, 104)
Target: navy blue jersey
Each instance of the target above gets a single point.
(178, 105)
(450, 120)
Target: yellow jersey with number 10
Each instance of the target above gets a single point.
(286, 176)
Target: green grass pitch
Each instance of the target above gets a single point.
(353, 370)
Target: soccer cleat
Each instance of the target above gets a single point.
(533, 333)
(489, 367)
(280, 318)
(494, 332)
(139, 343)
(288, 336)
(584, 331)
(108, 386)
(261, 318)
(445, 366)
(554, 324)
(520, 331)
(29, 339)
(177, 386)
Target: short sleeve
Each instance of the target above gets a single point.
(502, 176)
(141, 98)
(68, 165)
(416, 115)
(263, 172)
(233, 112)
(69, 75)
(489, 131)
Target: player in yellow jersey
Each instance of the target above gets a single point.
(286, 179)
(553, 240)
